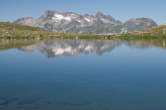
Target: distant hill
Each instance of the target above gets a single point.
(100, 23)
(18, 31)
(157, 32)
(12, 30)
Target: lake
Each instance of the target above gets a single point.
(84, 75)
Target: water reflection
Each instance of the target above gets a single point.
(72, 47)
(128, 79)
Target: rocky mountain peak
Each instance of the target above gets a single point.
(48, 14)
(139, 23)
(100, 14)
(85, 24)
(107, 19)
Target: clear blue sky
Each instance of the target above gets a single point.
(10, 10)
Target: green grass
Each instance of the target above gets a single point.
(9, 26)
(156, 32)
(16, 31)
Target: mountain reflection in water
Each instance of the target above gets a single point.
(72, 47)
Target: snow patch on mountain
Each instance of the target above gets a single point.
(87, 19)
(60, 17)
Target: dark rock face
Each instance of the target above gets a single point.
(85, 24)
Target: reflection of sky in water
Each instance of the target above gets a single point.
(122, 78)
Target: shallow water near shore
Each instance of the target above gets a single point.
(84, 75)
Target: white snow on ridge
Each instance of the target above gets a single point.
(87, 19)
(58, 17)
(79, 21)
(61, 17)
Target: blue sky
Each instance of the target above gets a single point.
(10, 10)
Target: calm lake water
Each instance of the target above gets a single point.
(84, 75)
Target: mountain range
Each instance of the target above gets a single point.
(100, 23)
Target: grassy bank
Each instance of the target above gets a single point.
(16, 31)
(154, 33)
